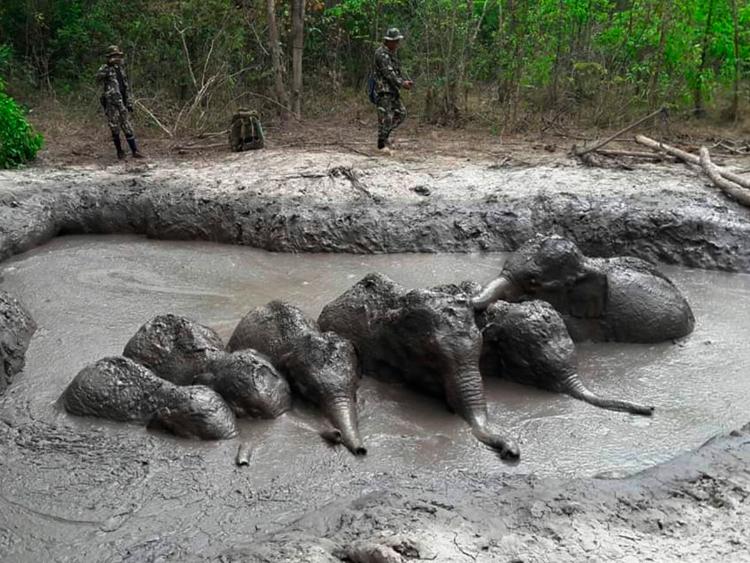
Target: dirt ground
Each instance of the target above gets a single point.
(82, 139)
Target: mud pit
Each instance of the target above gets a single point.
(81, 490)
(112, 483)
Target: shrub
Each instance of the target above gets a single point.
(19, 143)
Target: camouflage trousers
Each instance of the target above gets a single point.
(118, 118)
(391, 114)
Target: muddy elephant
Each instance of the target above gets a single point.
(249, 383)
(321, 366)
(175, 348)
(117, 388)
(528, 343)
(16, 329)
(427, 339)
(621, 299)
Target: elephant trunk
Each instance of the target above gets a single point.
(342, 413)
(465, 395)
(500, 288)
(574, 387)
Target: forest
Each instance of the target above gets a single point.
(507, 65)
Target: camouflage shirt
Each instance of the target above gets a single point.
(115, 83)
(387, 71)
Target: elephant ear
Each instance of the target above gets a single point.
(587, 298)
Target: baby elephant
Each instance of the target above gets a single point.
(322, 367)
(175, 348)
(622, 299)
(249, 384)
(119, 389)
(427, 339)
(528, 343)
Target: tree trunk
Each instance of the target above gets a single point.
(653, 83)
(298, 43)
(735, 109)
(698, 110)
(275, 47)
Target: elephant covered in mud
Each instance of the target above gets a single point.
(120, 389)
(621, 299)
(425, 338)
(185, 352)
(321, 366)
(529, 343)
(16, 329)
(249, 383)
(175, 348)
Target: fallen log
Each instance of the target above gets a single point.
(691, 158)
(585, 150)
(727, 186)
(184, 148)
(631, 154)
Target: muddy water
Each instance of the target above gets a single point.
(89, 295)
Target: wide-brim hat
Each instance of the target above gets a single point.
(393, 34)
(114, 51)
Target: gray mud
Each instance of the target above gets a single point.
(333, 202)
(79, 489)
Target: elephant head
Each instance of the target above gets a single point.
(541, 265)
(427, 338)
(622, 298)
(321, 367)
(529, 343)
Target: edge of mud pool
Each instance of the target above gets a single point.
(692, 507)
(301, 202)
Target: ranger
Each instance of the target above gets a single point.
(116, 100)
(388, 81)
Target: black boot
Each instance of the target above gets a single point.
(134, 148)
(118, 145)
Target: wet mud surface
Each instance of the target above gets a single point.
(77, 489)
(288, 200)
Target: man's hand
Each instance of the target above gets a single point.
(408, 84)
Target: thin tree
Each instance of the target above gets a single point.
(298, 44)
(276, 61)
(735, 109)
(698, 110)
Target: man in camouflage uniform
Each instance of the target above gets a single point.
(116, 100)
(388, 82)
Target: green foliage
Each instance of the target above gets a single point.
(519, 56)
(19, 143)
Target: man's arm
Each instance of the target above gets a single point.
(385, 67)
(102, 73)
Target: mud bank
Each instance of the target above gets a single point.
(306, 201)
(694, 508)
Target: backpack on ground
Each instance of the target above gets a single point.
(246, 131)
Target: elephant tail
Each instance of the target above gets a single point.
(343, 417)
(574, 387)
(504, 446)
